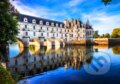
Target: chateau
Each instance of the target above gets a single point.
(43, 30)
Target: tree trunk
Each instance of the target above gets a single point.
(4, 52)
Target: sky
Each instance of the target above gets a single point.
(102, 18)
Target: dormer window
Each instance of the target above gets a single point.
(60, 25)
(25, 20)
(52, 24)
(47, 23)
(41, 22)
(56, 25)
(33, 21)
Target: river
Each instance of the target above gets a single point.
(65, 65)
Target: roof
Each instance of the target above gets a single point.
(38, 19)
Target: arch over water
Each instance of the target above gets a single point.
(48, 42)
(34, 41)
(34, 50)
(20, 45)
(57, 42)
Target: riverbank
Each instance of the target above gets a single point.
(5, 77)
(106, 41)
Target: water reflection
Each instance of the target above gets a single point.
(116, 50)
(37, 60)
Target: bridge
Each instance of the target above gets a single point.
(27, 41)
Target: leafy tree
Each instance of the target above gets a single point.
(8, 26)
(106, 1)
(102, 36)
(96, 35)
(116, 33)
(107, 35)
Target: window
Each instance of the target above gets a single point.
(25, 20)
(41, 34)
(90, 32)
(26, 33)
(52, 24)
(33, 21)
(41, 28)
(34, 33)
(34, 27)
(47, 23)
(25, 26)
(41, 22)
(52, 29)
(47, 34)
(65, 35)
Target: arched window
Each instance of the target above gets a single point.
(52, 24)
(41, 22)
(47, 23)
(33, 21)
(25, 20)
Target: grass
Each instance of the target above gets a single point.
(5, 77)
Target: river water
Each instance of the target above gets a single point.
(65, 65)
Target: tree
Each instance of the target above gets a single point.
(107, 35)
(102, 36)
(95, 35)
(116, 33)
(8, 26)
(106, 1)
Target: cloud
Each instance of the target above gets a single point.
(39, 11)
(102, 21)
(75, 2)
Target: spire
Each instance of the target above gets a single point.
(87, 22)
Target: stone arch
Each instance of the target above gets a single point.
(34, 41)
(57, 42)
(48, 42)
(34, 50)
(34, 46)
(20, 45)
(48, 50)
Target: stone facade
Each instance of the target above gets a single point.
(71, 30)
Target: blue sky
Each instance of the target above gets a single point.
(102, 18)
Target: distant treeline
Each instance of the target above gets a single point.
(115, 34)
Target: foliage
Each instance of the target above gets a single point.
(8, 24)
(5, 77)
(116, 33)
(95, 35)
(106, 1)
(116, 50)
(107, 35)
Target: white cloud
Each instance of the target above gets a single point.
(38, 11)
(103, 22)
(74, 2)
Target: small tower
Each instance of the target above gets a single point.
(87, 22)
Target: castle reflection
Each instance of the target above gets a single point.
(37, 60)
